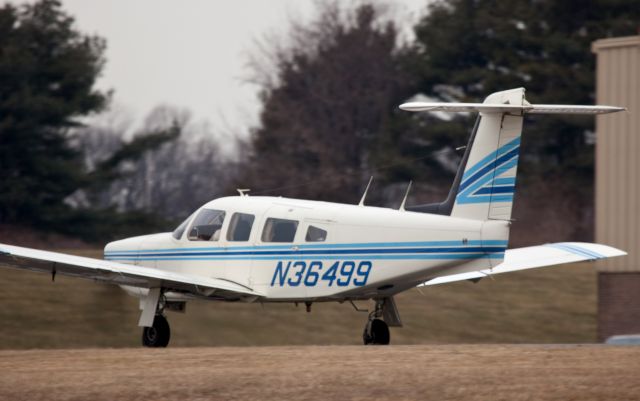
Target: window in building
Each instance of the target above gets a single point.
(279, 230)
(316, 234)
(207, 225)
(240, 227)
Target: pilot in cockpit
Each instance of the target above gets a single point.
(207, 225)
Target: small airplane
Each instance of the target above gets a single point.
(273, 249)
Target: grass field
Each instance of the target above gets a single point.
(549, 305)
(416, 372)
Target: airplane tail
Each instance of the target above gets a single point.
(488, 184)
(485, 184)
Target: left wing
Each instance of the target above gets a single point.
(120, 273)
(537, 256)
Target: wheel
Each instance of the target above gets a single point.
(158, 335)
(376, 332)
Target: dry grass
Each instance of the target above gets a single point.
(461, 372)
(551, 305)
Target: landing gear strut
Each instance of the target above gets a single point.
(158, 335)
(155, 332)
(376, 331)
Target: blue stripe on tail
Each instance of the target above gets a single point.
(482, 182)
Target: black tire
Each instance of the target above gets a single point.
(377, 334)
(158, 335)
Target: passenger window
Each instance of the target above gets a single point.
(207, 225)
(240, 227)
(315, 234)
(279, 230)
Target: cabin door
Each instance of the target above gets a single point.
(277, 243)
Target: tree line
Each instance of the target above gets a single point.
(68, 164)
(329, 91)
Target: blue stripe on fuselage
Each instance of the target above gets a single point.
(372, 245)
(324, 252)
(494, 255)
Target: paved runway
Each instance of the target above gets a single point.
(328, 373)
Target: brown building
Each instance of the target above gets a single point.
(618, 185)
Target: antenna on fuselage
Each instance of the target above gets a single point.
(243, 192)
(406, 194)
(364, 195)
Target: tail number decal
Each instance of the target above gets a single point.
(309, 274)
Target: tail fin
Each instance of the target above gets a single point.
(488, 184)
(485, 187)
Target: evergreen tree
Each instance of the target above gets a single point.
(467, 49)
(47, 73)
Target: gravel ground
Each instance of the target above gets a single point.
(434, 372)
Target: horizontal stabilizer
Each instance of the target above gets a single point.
(509, 108)
(537, 256)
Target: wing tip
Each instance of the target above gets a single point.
(595, 250)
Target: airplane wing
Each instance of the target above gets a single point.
(119, 273)
(536, 256)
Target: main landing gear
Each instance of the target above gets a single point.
(158, 335)
(155, 328)
(376, 331)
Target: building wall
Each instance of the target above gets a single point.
(618, 151)
(618, 304)
(618, 185)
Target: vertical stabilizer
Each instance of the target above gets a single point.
(488, 184)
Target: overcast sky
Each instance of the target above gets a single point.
(190, 54)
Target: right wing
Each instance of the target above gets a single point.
(537, 256)
(120, 273)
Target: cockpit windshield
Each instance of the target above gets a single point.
(177, 233)
(207, 225)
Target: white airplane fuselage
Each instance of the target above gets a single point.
(364, 252)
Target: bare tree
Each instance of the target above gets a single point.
(328, 92)
(170, 180)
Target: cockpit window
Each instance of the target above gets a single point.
(279, 230)
(240, 227)
(207, 225)
(177, 233)
(316, 234)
